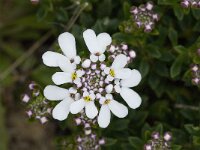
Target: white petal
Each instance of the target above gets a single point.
(119, 62)
(61, 78)
(77, 81)
(102, 57)
(51, 58)
(94, 58)
(91, 110)
(109, 88)
(67, 44)
(131, 97)
(80, 73)
(118, 109)
(107, 70)
(72, 90)
(104, 40)
(86, 63)
(110, 78)
(117, 88)
(109, 96)
(102, 100)
(104, 116)
(133, 80)
(91, 40)
(92, 96)
(77, 60)
(61, 111)
(122, 73)
(52, 92)
(65, 65)
(77, 106)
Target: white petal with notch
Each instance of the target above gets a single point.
(61, 111)
(52, 92)
(67, 44)
(131, 97)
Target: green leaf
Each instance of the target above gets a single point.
(176, 147)
(117, 125)
(180, 49)
(144, 68)
(126, 10)
(136, 142)
(176, 67)
(178, 11)
(110, 141)
(154, 51)
(196, 140)
(196, 13)
(173, 36)
(3, 133)
(167, 2)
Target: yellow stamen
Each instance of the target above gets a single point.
(112, 72)
(87, 98)
(107, 101)
(74, 76)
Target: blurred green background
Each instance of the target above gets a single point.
(164, 56)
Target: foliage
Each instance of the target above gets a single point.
(170, 100)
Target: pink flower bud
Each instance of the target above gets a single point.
(78, 121)
(102, 141)
(43, 120)
(25, 98)
(167, 136)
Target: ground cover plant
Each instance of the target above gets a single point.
(91, 74)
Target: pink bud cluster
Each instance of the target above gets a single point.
(37, 106)
(195, 74)
(159, 142)
(144, 17)
(88, 140)
(115, 50)
(190, 3)
(35, 2)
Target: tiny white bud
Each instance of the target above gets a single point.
(25, 98)
(86, 63)
(132, 54)
(43, 120)
(109, 88)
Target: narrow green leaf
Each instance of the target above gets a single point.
(173, 36)
(176, 67)
(144, 68)
(136, 142)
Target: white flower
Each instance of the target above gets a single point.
(86, 101)
(96, 44)
(109, 104)
(54, 93)
(68, 46)
(117, 69)
(123, 87)
(69, 74)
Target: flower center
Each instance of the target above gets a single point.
(87, 98)
(74, 76)
(107, 101)
(112, 72)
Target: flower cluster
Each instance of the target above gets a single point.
(196, 74)
(93, 82)
(35, 2)
(190, 3)
(115, 50)
(88, 140)
(159, 142)
(144, 17)
(37, 105)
